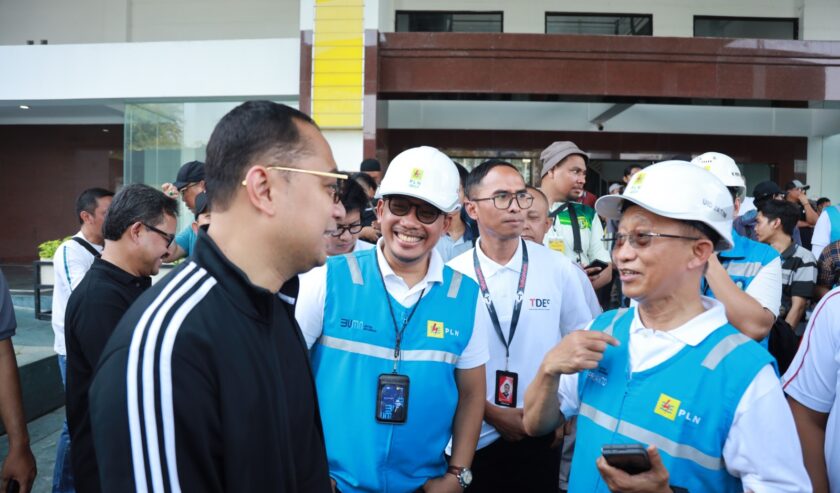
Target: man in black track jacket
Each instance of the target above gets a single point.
(205, 386)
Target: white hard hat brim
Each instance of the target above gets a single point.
(609, 206)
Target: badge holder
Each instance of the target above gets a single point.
(506, 384)
(392, 398)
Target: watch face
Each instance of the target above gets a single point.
(466, 476)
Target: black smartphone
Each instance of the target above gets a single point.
(13, 486)
(598, 264)
(631, 458)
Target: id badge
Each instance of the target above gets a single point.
(506, 382)
(392, 398)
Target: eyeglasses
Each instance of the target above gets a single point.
(640, 239)
(426, 214)
(335, 188)
(186, 187)
(505, 199)
(354, 228)
(166, 236)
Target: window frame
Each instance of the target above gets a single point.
(794, 20)
(597, 14)
(500, 13)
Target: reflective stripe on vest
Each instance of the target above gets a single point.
(387, 353)
(723, 348)
(743, 269)
(643, 435)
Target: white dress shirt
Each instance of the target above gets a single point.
(553, 306)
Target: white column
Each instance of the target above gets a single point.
(823, 172)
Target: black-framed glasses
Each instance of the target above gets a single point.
(353, 229)
(166, 236)
(641, 239)
(426, 214)
(505, 199)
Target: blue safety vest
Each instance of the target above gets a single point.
(357, 345)
(743, 262)
(834, 219)
(684, 406)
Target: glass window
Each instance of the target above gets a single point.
(605, 24)
(160, 137)
(450, 22)
(745, 27)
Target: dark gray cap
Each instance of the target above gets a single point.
(557, 152)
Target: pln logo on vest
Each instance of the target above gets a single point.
(437, 330)
(434, 329)
(669, 407)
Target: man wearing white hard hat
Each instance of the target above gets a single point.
(397, 356)
(746, 278)
(669, 377)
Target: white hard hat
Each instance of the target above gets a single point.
(656, 188)
(424, 173)
(724, 168)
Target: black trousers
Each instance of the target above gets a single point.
(527, 465)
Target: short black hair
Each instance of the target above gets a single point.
(786, 212)
(353, 196)
(463, 173)
(823, 200)
(87, 201)
(364, 177)
(479, 172)
(251, 131)
(630, 167)
(137, 203)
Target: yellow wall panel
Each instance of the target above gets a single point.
(338, 26)
(339, 40)
(330, 120)
(338, 63)
(338, 79)
(324, 53)
(335, 93)
(338, 3)
(345, 107)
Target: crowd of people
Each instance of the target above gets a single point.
(433, 328)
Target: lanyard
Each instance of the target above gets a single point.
(401, 330)
(517, 305)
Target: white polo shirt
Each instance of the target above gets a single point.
(762, 448)
(553, 306)
(813, 378)
(70, 264)
(309, 309)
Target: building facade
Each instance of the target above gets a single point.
(104, 92)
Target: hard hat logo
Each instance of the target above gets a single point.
(416, 178)
(636, 183)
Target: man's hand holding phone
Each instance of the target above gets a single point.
(653, 480)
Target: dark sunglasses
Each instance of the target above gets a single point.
(425, 213)
(166, 236)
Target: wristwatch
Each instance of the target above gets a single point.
(464, 475)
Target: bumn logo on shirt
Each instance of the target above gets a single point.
(434, 329)
(667, 406)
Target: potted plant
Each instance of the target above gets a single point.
(46, 252)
